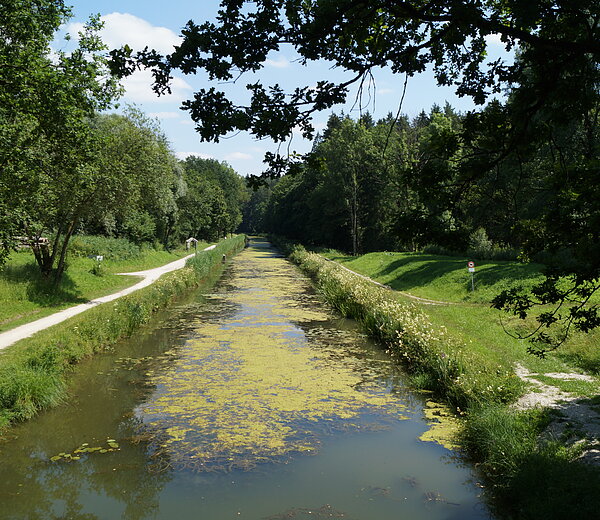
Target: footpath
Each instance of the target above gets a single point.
(148, 277)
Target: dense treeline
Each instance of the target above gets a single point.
(161, 200)
(68, 168)
(405, 185)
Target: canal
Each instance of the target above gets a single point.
(254, 400)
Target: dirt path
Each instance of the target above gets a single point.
(148, 277)
(577, 419)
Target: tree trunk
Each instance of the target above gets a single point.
(63, 252)
(354, 224)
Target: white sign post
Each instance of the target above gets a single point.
(471, 266)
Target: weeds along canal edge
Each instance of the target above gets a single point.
(33, 371)
(527, 474)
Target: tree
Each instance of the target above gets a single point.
(137, 179)
(45, 106)
(231, 187)
(350, 181)
(254, 210)
(358, 36)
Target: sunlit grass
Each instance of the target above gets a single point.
(25, 296)
(470, 319)
(461, 374)
(439, 277)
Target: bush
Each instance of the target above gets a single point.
(434, 249)
(480, 248)
(110, 248)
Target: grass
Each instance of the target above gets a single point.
(470, 319)
(32, 371)
(529, 479)
(463, 376)
(440, 277)
(25, 296)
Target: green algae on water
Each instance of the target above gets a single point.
(254, 386)
(443, 426)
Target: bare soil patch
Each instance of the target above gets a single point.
(577, 419)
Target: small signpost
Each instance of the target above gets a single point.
(191, 241)
(471, 266)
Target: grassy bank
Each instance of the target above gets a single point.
(32, 371)
(469, 317)
(25, 296)
(530, 475)
(440, 277)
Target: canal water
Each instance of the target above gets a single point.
(252, 401)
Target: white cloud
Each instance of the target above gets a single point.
(384, 91)
(184, 155)
(138, 89)
(123, 28)
(494, 39)
(281, 62)
(238, 156)
(165, 115)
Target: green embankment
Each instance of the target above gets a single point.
(469, 317)
(32, 372)
(458, 352)
(25, 296)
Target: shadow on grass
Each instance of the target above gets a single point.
(39, 290)
(589, 363)
(549, 487)
(432, 268)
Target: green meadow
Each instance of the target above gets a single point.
(467, 313)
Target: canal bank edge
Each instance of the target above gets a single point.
(527, 474)
(32, 371)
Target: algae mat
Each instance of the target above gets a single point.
(265, 375)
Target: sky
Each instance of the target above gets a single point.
(141, 23)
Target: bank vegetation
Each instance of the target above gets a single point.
(528, 473)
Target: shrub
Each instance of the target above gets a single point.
(480, 248)
(110, 248)
(434, 249)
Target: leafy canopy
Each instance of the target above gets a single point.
(553, 88)
(357, 36)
